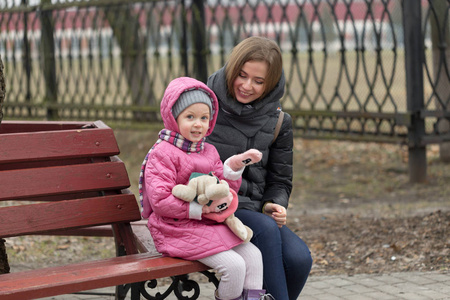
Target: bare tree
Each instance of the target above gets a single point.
(4, 267)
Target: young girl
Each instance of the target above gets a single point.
(189, 112)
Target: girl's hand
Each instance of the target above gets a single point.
(277, 212)
(249, 157)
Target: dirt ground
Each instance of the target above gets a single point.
(352, 203)
(354, 206)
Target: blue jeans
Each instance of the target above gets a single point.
(286, 258)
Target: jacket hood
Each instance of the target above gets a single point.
(173, 91)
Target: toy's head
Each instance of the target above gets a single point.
(222, 215)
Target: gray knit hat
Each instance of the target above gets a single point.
(188, 98)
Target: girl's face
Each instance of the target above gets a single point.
(250, 83)
(193, 122)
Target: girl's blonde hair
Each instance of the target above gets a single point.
(255, 48)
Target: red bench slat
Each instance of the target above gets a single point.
(34, 126)
(18, 184)
(90, 275)
(33, 146)
(42, 217)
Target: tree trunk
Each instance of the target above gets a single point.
(4, 266)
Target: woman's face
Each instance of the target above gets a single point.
(250, 83)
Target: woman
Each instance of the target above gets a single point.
(249, 88)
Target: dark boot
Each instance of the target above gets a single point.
(257, 295)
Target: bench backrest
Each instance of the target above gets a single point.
(59, 176)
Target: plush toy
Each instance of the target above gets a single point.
(220, 209)
(218, 200)
(202, 188)
(206, 187)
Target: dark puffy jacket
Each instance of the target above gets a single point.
(241, 127)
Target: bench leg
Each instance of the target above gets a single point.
(4, 266)
(136, 290)
(211, 277)
(122, 290)
(124, 246)
(179, 285)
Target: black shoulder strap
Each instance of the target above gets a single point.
(278, 126)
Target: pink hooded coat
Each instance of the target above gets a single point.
(174, 234)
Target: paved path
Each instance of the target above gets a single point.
(407, 285)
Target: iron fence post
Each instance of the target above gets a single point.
(26, 56)
(2, 89)
(184, 40)
(48, 61)
(200, 69)
(414, 61)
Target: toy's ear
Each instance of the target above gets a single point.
(206, 180)
(184, 192)
(217, 191)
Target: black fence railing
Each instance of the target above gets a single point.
(358, 70)
(2, 90)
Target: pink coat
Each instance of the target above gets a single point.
(174, 234)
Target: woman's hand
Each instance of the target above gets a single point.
(277, 212)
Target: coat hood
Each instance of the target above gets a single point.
(173, 91)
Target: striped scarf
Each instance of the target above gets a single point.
(178, 141)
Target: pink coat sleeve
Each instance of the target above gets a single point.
(160, 178)
(219, 171)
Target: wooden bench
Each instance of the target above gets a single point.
(66, 179)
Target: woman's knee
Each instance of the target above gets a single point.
(302, 262)
(297, 255)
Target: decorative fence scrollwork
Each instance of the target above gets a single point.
(353, 70)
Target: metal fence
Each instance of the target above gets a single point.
(360, 70)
